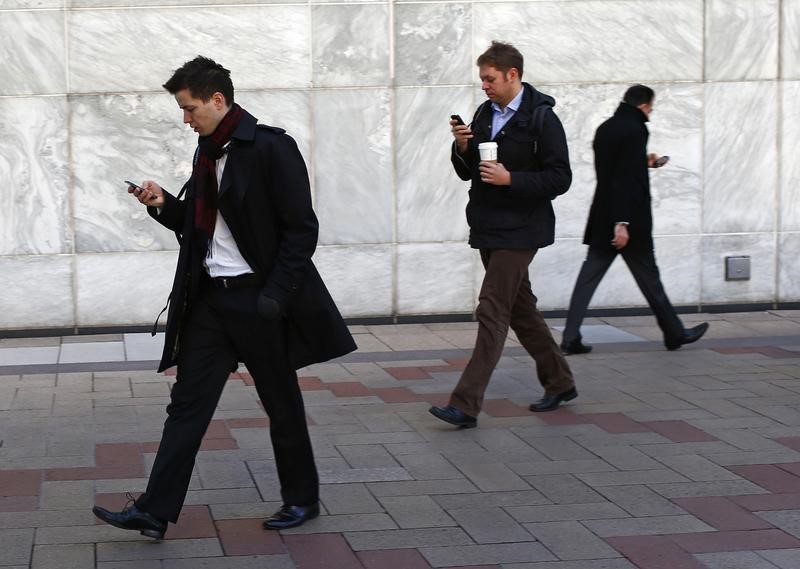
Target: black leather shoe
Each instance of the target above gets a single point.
(454, 416)
(575, 347)
(291, 516)
(689, 336)
(551, 402)
(135, 519)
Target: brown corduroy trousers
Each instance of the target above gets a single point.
(506, 299)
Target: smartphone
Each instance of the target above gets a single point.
(137, 186)
(458, 119)
(660, 162)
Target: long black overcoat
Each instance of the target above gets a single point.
(265, 199)
(623, 181)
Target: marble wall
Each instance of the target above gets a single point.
(366, 87)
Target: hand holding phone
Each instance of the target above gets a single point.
(148, 196)
(458, 119)
(659, 162)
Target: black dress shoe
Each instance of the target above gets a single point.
(575, 347)
(133, 518)
(551, 402)
(689, 336)
(291, 516)
(454, 416)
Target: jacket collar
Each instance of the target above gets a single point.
(626, 110)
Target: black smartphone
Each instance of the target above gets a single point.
(457, 118)
(660, 161)
(137, 186)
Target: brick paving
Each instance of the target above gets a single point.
(667, 460)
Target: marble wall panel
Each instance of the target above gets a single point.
(431, 198)
(350, 45)
(34, 178)
(789, 206)
(790, 34)
(761, 286)
(359, 278)
(125, 137)
(586, 40)
(432, 44)
(36, 291)
(741, 157)
(556, 268)
(353, 165)
(263, 46)
(32, 52)
(31, 4)
(435, 278)
(158, 3)
(122, 288)
(741, 39)
(676, 130)
(788, 275)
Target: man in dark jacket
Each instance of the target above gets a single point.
(245, 289)
(510, 217)
(621, 222)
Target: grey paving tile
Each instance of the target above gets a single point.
(565, 512)
(73, 494)
(717, 488)
(564, 489)
(627, 458)
(492, 477)
(571, 540)
(407, 538)
(628, 477)
(245, 511)
(787, 520)
(428, 466)
(783, 558)
(640, 501)
(491, 554)
(168, 549)
(416, 512)
(422, 487)
(490, 499)
(617, 563)
(16, 545)
(348, 499)
(91, 352)
(677, 449)
(254, 562)
(63, 556)
(560, 467)
(228, 474)
(698, 468)
(560, 448)
(362, 475)
(653, 525)
(367, 456)
(735, 560)
(345, 523)
(490, 525)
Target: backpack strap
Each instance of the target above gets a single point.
(537, 123)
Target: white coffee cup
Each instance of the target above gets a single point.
(488, 151)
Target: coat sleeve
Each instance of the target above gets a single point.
(291, 198)
(554, 175)
(172, 214)
(459, 161)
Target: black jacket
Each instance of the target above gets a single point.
(623, 181)
(265, 199)
(519, 216)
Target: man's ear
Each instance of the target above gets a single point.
(512, 74)
(219, 100)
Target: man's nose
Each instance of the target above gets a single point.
(186, 118)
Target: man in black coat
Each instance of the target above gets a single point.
(510, 216)
(621, 222)
(245, 289)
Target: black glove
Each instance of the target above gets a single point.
(268, 308)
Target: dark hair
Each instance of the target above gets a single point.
(639, 95)
(203, 77)
(502, 56)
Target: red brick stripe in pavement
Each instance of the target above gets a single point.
(679, 431)
(769, 477)
(767, 502)
(711, 542)
(769, 351)
(721, 513)
(321, 551)
(247, 537)
(20, 482)
(654, 552)
(393, 559)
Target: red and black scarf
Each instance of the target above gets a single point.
(204, 174)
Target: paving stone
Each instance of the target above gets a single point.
(16, 545)
(565, 512)
(640, 501)
(344, 523)
(492, 477)
(405, 538)
(63, 557)
(348, 499)
(67, 495)
(735, 541)
(783, 558)
(717, 488)
(654, 552)
(564, 489)
(570, 540)
(249, 562)
(393, 559)
(362, 475)
(422, 487)
(367, 456)
(617, 563)
(734, 560)
(490, 525)
(698, 468)
(247, 537)
(428, 466)
(169, 549)
(490, 499)
(659, 476)
(787, 520)
(416, 512)
(653, 525)
(502, 553)
(627, 458)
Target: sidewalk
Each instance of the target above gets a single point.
(667, 460)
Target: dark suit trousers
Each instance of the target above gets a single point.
(222, 328)
(506, 300)
(642, 265)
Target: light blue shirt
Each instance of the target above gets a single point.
(501, 117)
